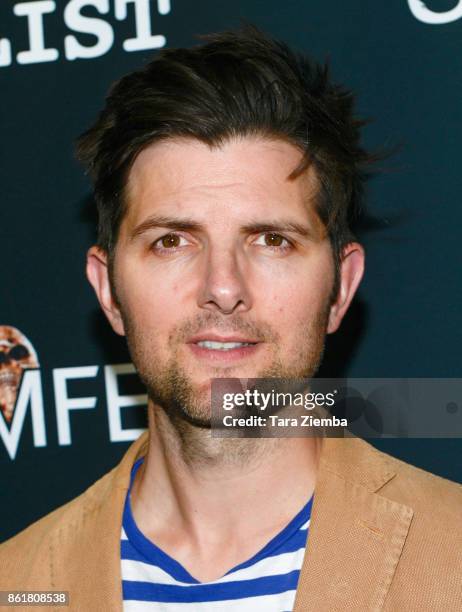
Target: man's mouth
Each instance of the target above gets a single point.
(212, 346)
(223, 346)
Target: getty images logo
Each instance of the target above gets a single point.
(21, 390)
(426, 15)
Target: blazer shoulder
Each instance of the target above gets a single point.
(38, 533)
(25, 559)
(422, 490)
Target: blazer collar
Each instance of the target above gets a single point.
(356, 535)
(355, 538)
(357, 461)
(85, 552)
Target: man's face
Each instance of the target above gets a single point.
(222, 269)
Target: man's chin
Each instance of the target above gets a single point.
(184, 392)
(194, 418)
(186, 403)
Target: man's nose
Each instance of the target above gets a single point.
(224, 286)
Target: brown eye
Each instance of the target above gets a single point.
(274, 240)
(170, 240)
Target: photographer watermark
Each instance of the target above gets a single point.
(337, 407)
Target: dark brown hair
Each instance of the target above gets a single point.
(237, 83)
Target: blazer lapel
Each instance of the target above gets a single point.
(356, 536)
(85, 553)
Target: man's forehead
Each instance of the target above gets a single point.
(252, 173)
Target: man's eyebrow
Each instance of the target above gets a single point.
(173, 223)
(283, 225)
(186, 224)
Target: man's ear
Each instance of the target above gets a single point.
(351, 273)
(98, 275)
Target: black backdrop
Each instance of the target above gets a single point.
(406, 321)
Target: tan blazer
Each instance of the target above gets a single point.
(384, 535)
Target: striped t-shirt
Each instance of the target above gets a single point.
(154, 581)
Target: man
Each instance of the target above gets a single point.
(226, 178)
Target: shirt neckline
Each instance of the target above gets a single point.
(151, 551)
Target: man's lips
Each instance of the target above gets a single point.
(220, 355)
(214, 337)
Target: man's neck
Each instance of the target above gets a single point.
(237, 493)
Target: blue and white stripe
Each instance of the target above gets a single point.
(154, 581)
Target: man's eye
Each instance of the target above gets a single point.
(271, 239)
(169, 242)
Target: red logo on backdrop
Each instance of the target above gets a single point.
(21, 392)
(16, 355)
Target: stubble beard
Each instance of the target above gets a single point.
(182, 413)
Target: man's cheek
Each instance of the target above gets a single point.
(146, 299)
(283, 304)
